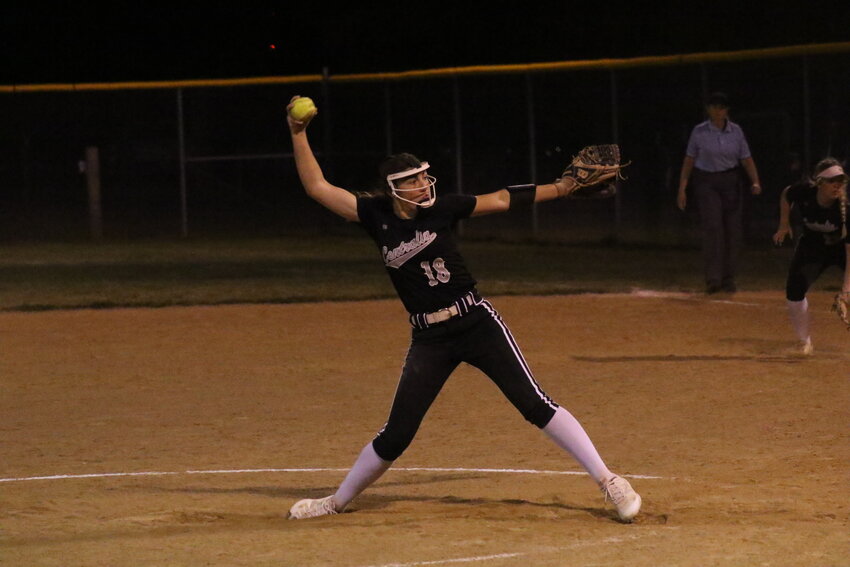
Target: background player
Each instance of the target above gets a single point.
(822, 205)
(412, 228)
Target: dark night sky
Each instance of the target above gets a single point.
(83, 42)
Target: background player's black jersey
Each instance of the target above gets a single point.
(818, 223)
(420, 254)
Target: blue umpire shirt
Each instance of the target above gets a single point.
(715, 149)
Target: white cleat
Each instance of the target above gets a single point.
(312, 508)
(807, 348)
(623, 496)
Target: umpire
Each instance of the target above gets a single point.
(717, 151)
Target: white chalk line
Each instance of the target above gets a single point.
(475, 559)
(480, 558)
(653, 294)
(305, 470)
(700, 297)
(450, 561)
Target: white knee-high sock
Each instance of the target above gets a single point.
(367, 469)
(798, 312)
(568, 434)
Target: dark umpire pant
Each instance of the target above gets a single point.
(720, 202)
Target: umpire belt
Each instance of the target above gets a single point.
(457, 309)
(721, 172)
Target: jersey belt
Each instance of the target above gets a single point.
(442, 315)
(459, 308)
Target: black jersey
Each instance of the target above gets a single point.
(819, 223)
(420, 254)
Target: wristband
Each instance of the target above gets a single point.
(522, 196)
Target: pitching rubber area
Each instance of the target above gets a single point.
(181, 436)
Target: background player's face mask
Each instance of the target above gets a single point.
(394, 179)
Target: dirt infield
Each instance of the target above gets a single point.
(181, 436)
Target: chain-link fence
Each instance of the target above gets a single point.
(213, 158)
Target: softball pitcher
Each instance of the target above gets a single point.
(822, 204)
(451, 323)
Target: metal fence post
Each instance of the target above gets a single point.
(532, 146)
(458, 135)
(458, 143)
(615, 137)
(327, 123)
(388, 119)
(181, 144)
(92, 169)
(807, 119)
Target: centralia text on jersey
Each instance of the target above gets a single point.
(406, 250)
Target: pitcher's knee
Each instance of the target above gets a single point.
(390, 447)
(539, 414)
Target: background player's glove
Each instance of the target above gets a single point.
(595, 171)
(841, 305)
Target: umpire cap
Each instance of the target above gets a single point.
(718, 99)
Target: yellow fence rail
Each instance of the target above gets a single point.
(583, 65)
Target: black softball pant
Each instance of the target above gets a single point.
(811, 258)
(480, 339)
